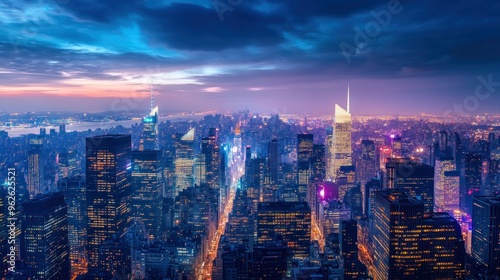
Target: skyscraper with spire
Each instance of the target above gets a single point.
(149, 137)
(341, 146)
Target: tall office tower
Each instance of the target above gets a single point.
(443, 143)
(200, 169)
(273, 161)
(341, 149)
(484, 149)
(457, 150)
(248, 158)
(184, 162)
(147, 189)
(240, 228)
(443, 248)
(366, 167)
(233, 261)
(486, 232)
(451, 192)
(36, 169)
(396, 235)
(443, 165)
(67, 164)
(349, 248)
(75, 194)
(305, 143)
(256, 176)
(108, 167)
(149, 137)
(371, 188)
(268, 261)
(330, 213)
(291, 220)
(409, 246)
(473, 168)
(346, 180)
(210, 147)
(318, 164)
(355, 201)
(415, 178)
(45, 237)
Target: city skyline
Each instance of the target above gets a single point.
(255, 55)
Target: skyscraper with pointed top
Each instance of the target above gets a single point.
(341, 146)
(149, 138)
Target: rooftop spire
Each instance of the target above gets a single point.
(152, 93)
(348, 99)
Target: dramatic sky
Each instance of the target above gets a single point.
(271, 56)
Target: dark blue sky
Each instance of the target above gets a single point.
(280, 56)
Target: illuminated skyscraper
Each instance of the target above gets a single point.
(416, 179)
(349, 248)
(149, 138)
(147, 187)
(442, 166)
(409, 246)
(36, 168)
(108, 167)
(341, 148)
(184, 162)
(210, 147)
(200, 169)
(366, 167)
(304, 155)
(473, 171)
(486, 232)
(45, 237)
(291, 220)
(75, 194)
(318, 164)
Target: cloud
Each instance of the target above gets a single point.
(289, 46)
(213, 89)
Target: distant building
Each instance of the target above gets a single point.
(366, 166)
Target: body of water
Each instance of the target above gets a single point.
(84, 126)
